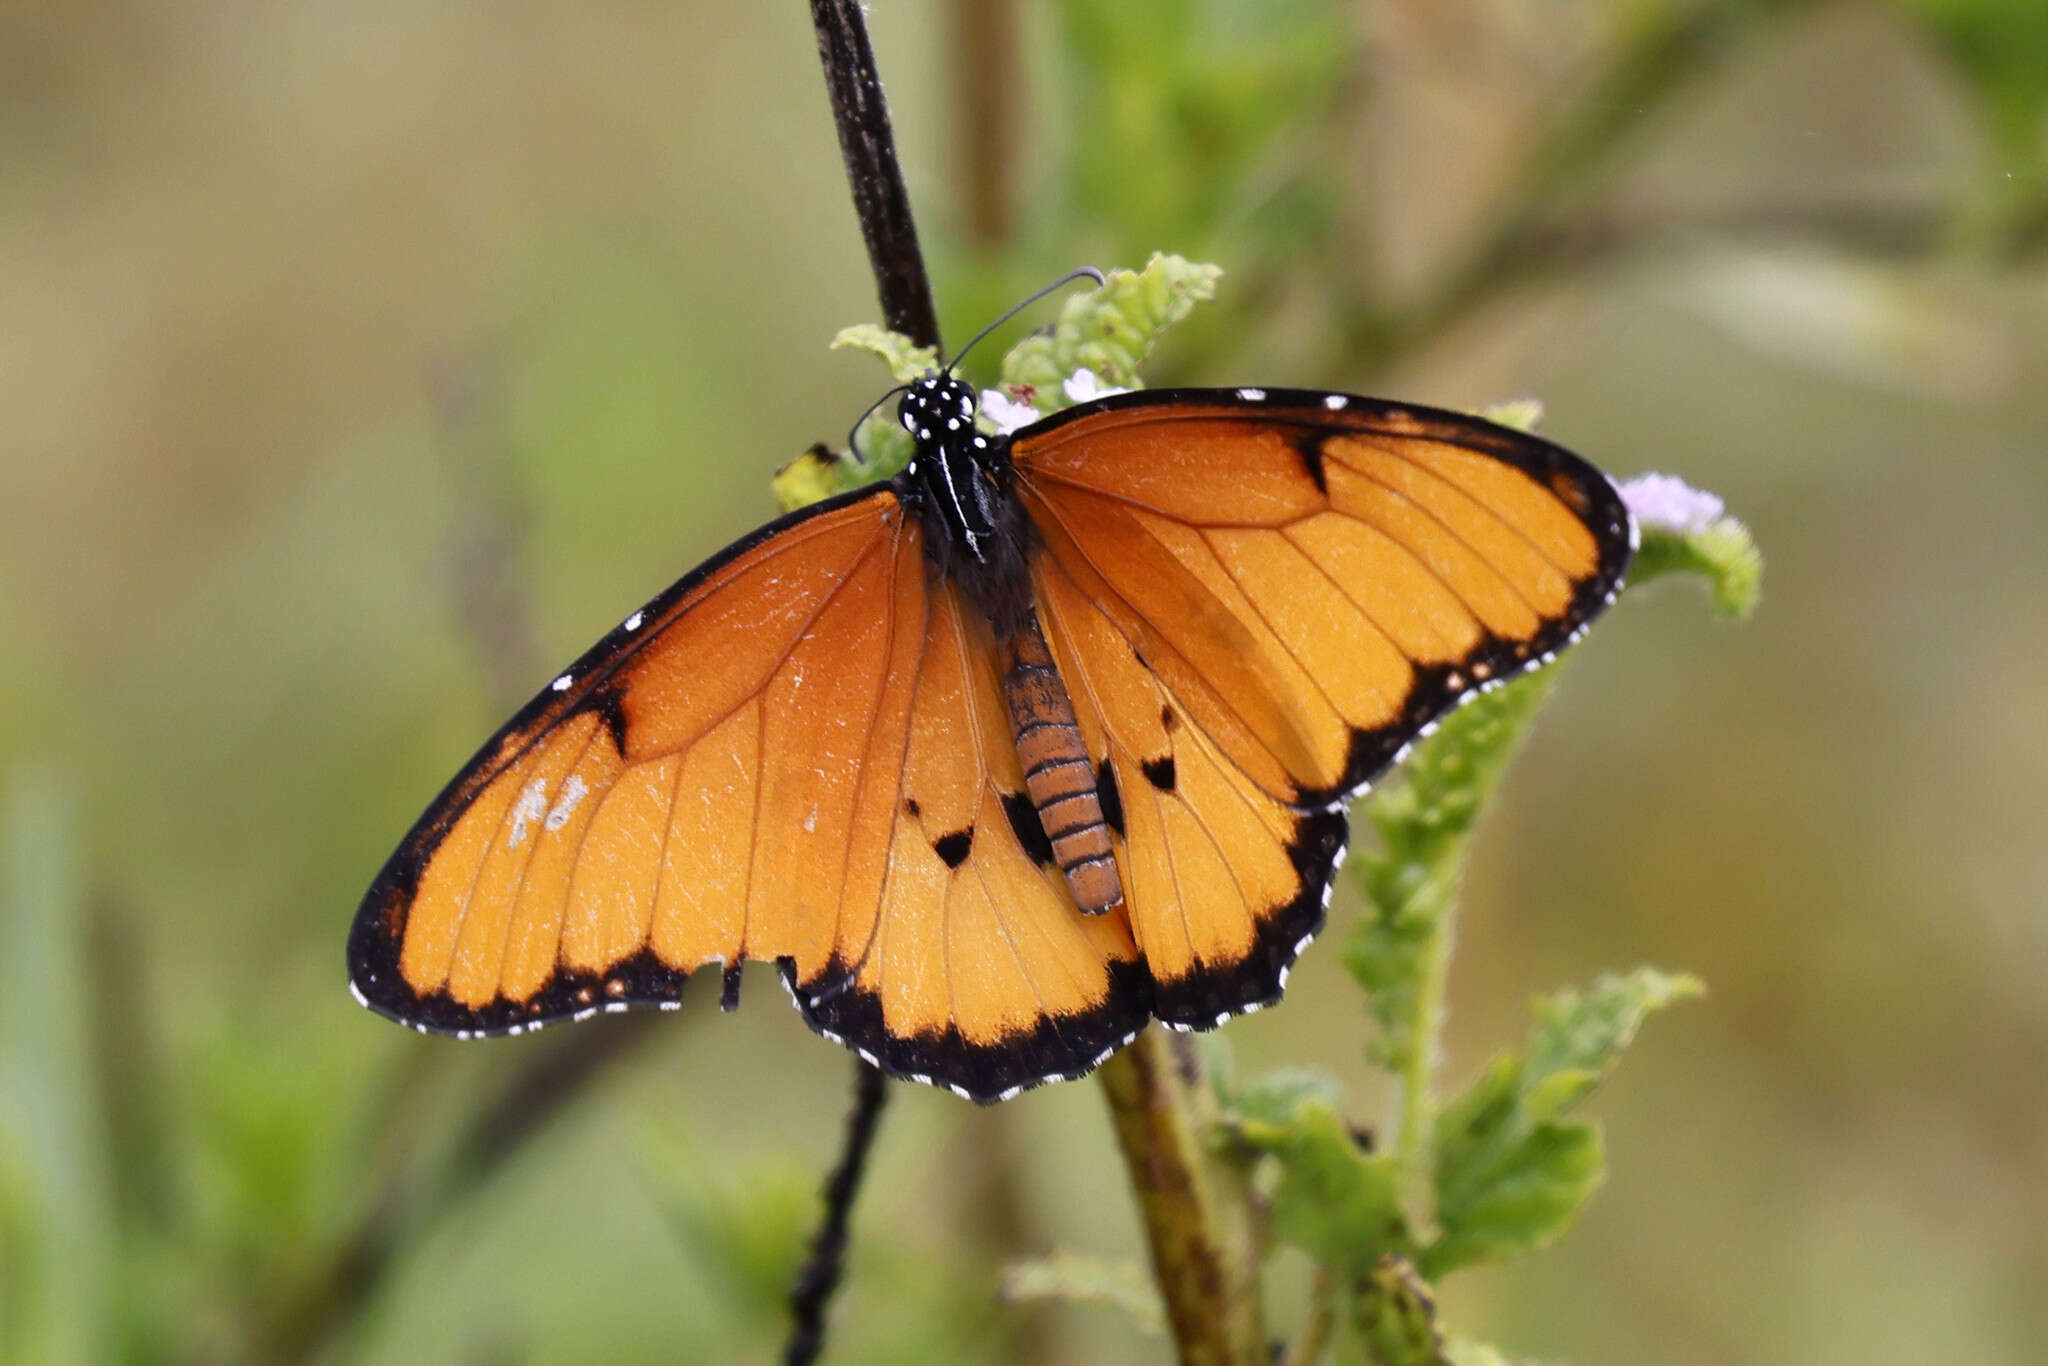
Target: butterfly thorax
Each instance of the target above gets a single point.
(959, 479)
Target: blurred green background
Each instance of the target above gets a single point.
(360, 363)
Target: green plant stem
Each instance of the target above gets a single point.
(1418, 1107)
(1196, 1206)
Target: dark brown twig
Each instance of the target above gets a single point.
(869, 146)
(820, 1274)
(883, 204)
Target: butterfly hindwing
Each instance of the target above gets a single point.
(980, 974)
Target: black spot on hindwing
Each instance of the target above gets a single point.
(1159, 773)
(1111, 799)
(1029, 830)
(953, 848)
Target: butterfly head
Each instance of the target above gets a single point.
(937, 410)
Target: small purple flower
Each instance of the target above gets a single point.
(1668, 503)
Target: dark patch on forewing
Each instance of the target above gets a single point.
(1029, 830)
(609, 702)
(1159, 772)
(1309, 446)
(953, 847)
(1056, 1048)
(729, 990)
(911, 808)
(1112, 800)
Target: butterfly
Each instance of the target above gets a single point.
(1047, 736)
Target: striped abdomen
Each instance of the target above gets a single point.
(1058, 776)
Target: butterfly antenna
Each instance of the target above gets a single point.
(854, 430)
(1079, 272)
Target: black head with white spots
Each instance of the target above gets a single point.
(937, 408)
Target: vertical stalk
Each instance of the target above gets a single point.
(869, 145)
(1418, 1110)
(1197, 1211)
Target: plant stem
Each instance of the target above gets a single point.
(820, 1275)
(1196, 1208)
(1418, 1107)
(869, 146)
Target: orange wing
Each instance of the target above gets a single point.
(1259, 600)
(798, 753)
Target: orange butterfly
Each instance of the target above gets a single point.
(999, 759)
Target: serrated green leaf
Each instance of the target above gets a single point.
(1275, 1097)
(1577, 1036)
(1508, 1172)
(1525, 1199)
(907, 361)
(1074, 1278)
(1109, 330)
(1335, 1201)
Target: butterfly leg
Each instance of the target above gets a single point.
(1058, 776)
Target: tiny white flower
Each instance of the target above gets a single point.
(1007, 413)
(1082, 386)
(1669, 503)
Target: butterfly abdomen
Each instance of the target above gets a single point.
(1058, 775)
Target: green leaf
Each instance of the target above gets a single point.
(1396, 1316)
(1275, 1097)
(1336, 1201)
(1524, 1199)
(1075, 1278)
(907, 361)
(1509, 1170)
(1578, 1036)
(1109, 330)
